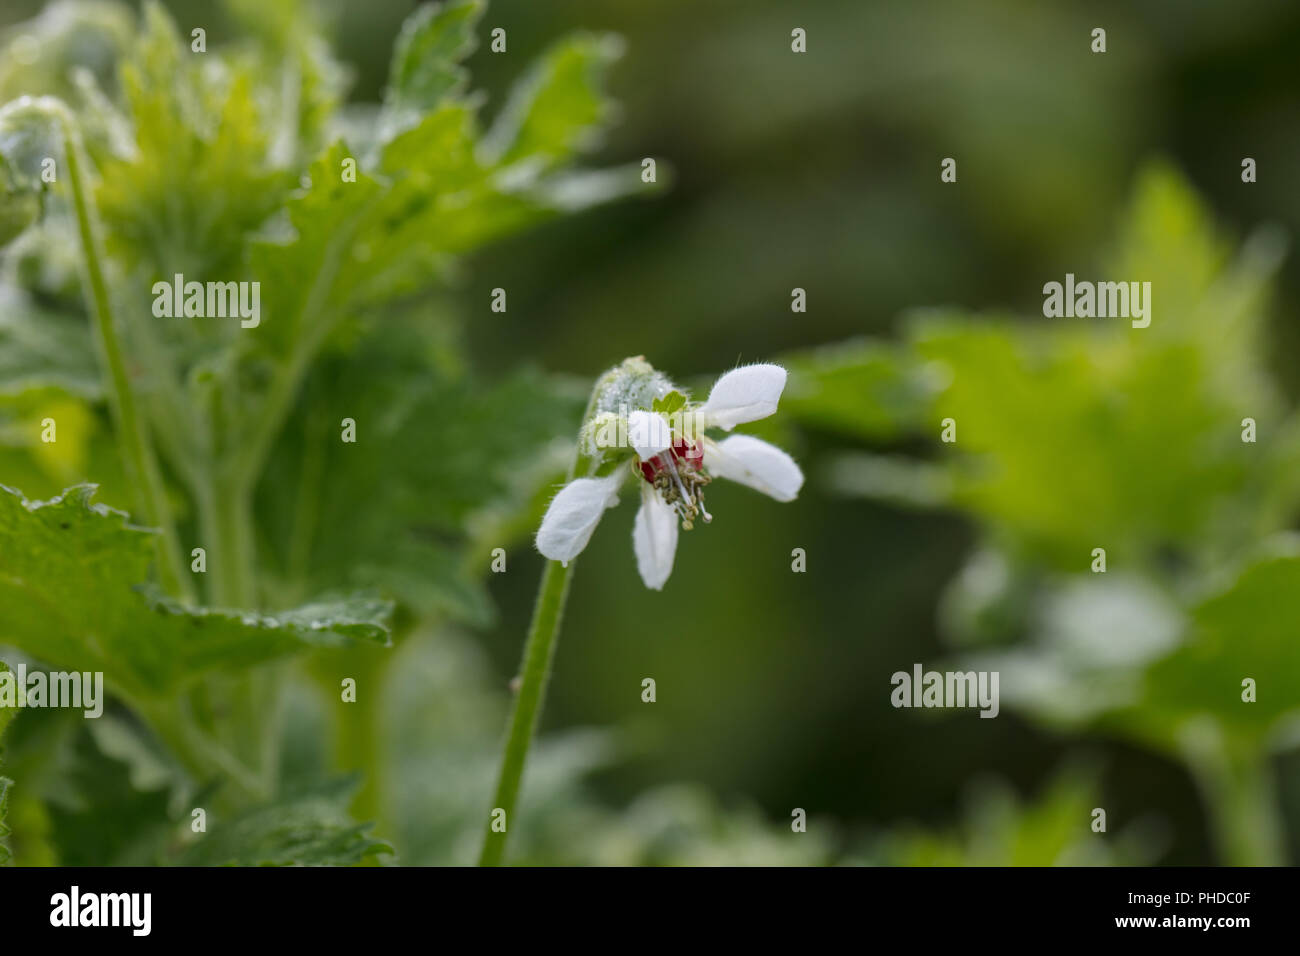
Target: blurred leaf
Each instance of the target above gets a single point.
(1052, 830)
(861, 388)
(101, 813)
(1113, 652)
(71, 576)
(893, 478)
(199, 176)
(426, 65)
(42, 347)
(305, 85)
(1091, 638)
(441, 725)
(41, 55)
(306, 829)
(1246, 630)
(685, 825)
(307, 272)
(559, 107)
(30, 134)
(1073, 434)
(19, 205)
(1067, 440)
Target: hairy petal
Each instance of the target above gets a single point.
(574, 513)
(654, 538)
(745, 394)
(755, 463)
(648, 433)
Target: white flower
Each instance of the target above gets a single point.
(674, 461)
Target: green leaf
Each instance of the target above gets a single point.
(103, 811)
(1078, 433)
(425, 67)
(201, 174)
(308, 829)
(308, 274)
(1091, 638)
(440, 454)
(1113, 651)
(1246, 630)
(43, 347)
(1068, 439)
(72, 595)
(19, 205)
(71, 35)
(559, 108)
(1000, 829)
(861, 388)
(672, 402)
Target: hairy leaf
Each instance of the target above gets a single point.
(308, 829)
(72, 595)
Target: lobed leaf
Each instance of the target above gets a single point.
(72, 594)
(426, 65)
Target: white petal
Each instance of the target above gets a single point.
(745, 394)
(648, 433)
(654, 538)
(574, 513)
(754, 462)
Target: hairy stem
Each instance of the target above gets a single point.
(535, 672)
(538, 653)
(141, 465)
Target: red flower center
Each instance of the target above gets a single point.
(688, 455)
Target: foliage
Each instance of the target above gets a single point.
(239, 164)
(1079, 434)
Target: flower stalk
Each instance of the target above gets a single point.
(539, 651)
(535, 673)
(627, 424)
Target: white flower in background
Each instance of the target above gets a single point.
(672, 457)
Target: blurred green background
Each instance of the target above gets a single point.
(821, 171)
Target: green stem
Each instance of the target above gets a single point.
(225, 521)
(307, 503)
(538, 652)
(201, 755)
(361, 747)
(539, 649)
(248, 724)
(141, 465)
